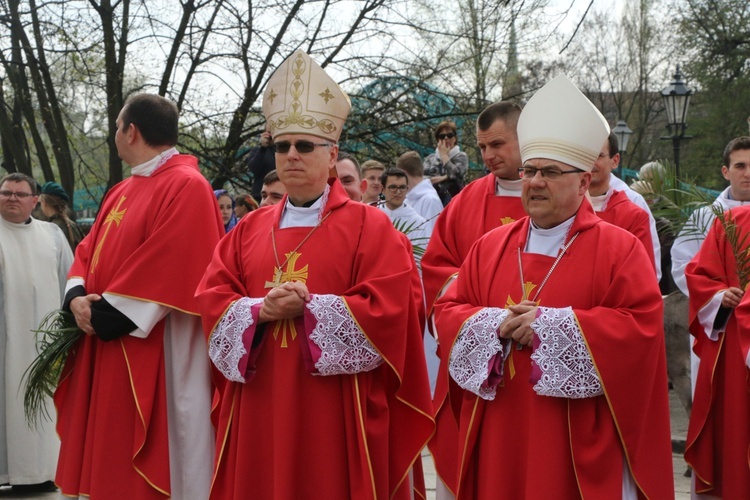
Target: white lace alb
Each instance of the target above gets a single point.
(567, 368)
(225, 347)
(476, 344)
(345, 349)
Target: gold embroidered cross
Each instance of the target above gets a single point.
(291, 274)
(280, 277)
(115, 215)
(326, 95)
(527, 289)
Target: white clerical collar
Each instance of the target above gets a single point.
(304, 216)
(548, 241)
(147, 168)
(505, 187)
(600, 202)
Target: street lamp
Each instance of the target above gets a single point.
(676, 97)
(623, 133)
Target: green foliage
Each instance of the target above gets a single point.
(738, 243)
(419, 245)
(56, 337)
(671, 199)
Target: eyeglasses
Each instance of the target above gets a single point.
(302, 147)
(548, 173)
(18, 194)
(449, 135)
(397, 189)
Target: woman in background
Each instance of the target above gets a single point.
(54, 201)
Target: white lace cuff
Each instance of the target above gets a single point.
(227, 346)
(337, 345)
(563, 364)
(476, 345)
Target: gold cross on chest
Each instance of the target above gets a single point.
(291, 274)
(280, 277)
(115, 215)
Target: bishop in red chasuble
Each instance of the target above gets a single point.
(334, 403)
(313, 312)
(553, 334)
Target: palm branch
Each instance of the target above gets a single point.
(419, 245)
(56, 336)
(674, 200)
(738, 243)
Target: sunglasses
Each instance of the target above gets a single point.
(302, 147)
(449, 135)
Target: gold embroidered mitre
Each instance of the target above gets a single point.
(301, 98)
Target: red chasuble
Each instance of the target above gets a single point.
(289, 434)
(475, 211)
(522, 445)
(718, 439)
(151, 241)
(624, 213)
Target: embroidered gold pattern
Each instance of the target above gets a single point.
(115, 215)
(295, 114)
(279, 277)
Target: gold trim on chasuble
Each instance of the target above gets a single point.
(507, 220)
(280, 277)
(115, 215)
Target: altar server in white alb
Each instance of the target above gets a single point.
(34, 262)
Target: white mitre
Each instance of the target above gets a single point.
(560, 123)
(301, 98)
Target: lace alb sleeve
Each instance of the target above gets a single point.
(226, 347)
(477, 343)
(337, 345)
(567, 370)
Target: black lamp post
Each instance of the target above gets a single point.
(623, 133)
(676, 97)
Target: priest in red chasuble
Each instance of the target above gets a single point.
(718, 440)
(135, 395)
(553, 331)
(483, 205)
(312, 311)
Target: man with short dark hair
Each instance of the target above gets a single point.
(34, 261)
(553, 334)
(134, 398)
(735, 169)
(483, 205)
(610, 156)
(347, 168)
(613, 205)
(273, 190)
(395, 188)
(311, 308)
(705, 269)
(422, 196)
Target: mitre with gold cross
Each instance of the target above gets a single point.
(301, 98)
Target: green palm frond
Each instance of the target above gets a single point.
(419, 245)
(55, 338)
(674, 200)
(738, 243)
